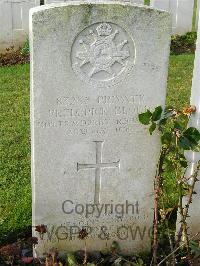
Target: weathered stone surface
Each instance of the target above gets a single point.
(14, 23)
(95, 67)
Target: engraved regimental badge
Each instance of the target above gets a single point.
(103, 54)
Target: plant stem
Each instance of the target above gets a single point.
(85, 255)
(157, 183)
(184, 210)
(155, 233)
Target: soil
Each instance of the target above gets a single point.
(13, 57)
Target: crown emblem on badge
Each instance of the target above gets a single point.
(104, 29)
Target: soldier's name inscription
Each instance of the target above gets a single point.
(82, 115)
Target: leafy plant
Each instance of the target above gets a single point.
(151, 118)
(195, 248)
(176, 138)
(25, 48)
(71, 260)
(183, 43)
(173, 127)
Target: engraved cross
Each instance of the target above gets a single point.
(98, 166)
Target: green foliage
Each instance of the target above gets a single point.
(173, 127)
(156, 115)
(189, 139)
(147, 2)
(145, 118)
(139, 262)
(71, 260)
(176, 138)
(183, 43)
(150, 118)
(195, 248)
(25, 48)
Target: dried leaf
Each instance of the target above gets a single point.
(42, 229)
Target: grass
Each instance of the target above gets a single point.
(15, 177)
(15, 189)
(180, 80)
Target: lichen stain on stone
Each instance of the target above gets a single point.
(42, 20)
(87, 14)
(103, 10)
(118, 10)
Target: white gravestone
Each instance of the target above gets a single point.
(184, 16)
(197, 14)
(125, 1)
(95, 67)
(194, 157)
(181, 11)
(14, 22)
(168, 5)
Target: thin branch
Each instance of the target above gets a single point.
(157, 187)
(184, 210)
